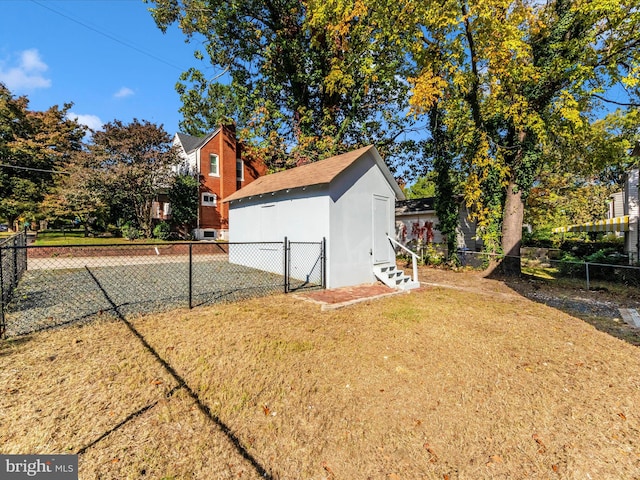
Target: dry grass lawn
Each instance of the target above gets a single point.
(439, 384)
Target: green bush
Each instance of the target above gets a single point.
(162, 231)
(540, 239)
(129, 231)
(582, 249)
(431, 256)
(571, 266)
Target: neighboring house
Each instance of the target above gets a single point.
(161, 208)
(217, 159)
(622, 218)
(347, 199)
(417, 222)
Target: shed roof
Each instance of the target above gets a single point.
(317, 173)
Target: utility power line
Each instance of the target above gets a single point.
(105, 34)
(4, 165)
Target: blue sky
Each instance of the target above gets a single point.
(106, 56)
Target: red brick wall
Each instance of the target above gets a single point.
(228, 149)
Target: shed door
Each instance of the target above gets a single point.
(381, 211)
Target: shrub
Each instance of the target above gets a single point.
(571, 266)
(431, 256)
(129, 231)
(583, 249)
(162, 231)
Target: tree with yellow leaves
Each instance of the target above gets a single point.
(505, 74)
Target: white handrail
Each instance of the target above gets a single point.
(413, 255)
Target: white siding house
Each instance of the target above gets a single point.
(623, 217)
(348, 199)
(417, 223)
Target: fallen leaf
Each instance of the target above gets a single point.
(328, 470)
(622, 416)
(543, 447)
(266, 409)
(554, 468)
(434, 457)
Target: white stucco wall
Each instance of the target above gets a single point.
(342, 213)
(302, 216)
(350, 243)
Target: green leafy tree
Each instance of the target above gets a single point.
(581, 171)
(183, 197)
(423, 187)
(507, 74)
(32, 145)
(136, 161)
(77, 194)
(300, 86)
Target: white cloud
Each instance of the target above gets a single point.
(91, 121)
(27, 75)
(123, 92)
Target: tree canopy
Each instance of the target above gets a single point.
(134, 161)
(33, 145)
(296, 87)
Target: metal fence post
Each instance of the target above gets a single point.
(2, 322)
(190, 276)
(323, 263)
(14, 280)
(286, 265)
(586, 265)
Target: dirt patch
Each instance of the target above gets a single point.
(598, 307)
(348, 295)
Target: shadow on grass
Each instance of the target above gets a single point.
(597, 307)
(6, 345)
(181, 383)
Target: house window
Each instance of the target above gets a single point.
(166, 209)
(239, 170)
(214, 165)
(209, 199)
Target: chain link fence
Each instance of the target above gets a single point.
(588, 274)
(72, 284)
(13, 263)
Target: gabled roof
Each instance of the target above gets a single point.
(318, 173)
(190, 143)
(415, 205)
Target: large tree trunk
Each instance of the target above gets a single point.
(512, 229)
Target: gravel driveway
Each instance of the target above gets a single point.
(75, 290)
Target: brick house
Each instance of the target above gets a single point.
(218, 160)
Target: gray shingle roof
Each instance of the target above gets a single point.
(405, 207)
(190, 143)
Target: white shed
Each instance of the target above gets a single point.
(348, 199)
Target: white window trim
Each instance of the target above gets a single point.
(209, 203)
(217, 172)
(241, 177)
